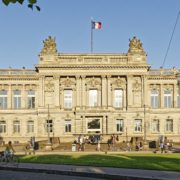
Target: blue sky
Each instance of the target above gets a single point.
(22, 30)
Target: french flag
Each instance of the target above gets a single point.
(96, 25)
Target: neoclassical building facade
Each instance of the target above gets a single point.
(71, 94)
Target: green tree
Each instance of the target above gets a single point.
(31, 3)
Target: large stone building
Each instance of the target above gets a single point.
(71, 94)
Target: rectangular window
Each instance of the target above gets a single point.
(93, 98)
(3, 99)
(138, 125)
(67, 125)
(16, 127)
(2, 126)
(68, 99)
(30, 127)
(169, 125)
(118, 98)
(155, 125)
(49, 126)
(31, 99)
(178, 100)
(119, 125)
(154, 99)
(17, 99)
(167, 99)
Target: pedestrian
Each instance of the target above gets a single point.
(98, 146)
(162, 147)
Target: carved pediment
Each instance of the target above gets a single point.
(93, 82)
(119, 82)
(68, 82)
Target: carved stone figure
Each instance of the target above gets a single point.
(135, 44)
(49, 46)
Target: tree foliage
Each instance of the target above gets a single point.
(31, 3)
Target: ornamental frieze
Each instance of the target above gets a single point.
(4, 87)
(119, 82)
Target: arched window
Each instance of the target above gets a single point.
(118, 98)
(31, 99)
(17, 99)
(2, 126)
(16, 126)
(3, 99)
(154, 99)
(30, 126)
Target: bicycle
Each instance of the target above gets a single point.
(9, 158)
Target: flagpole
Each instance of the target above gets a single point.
(91, 36)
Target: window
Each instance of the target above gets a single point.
(94, 125)
(92, 97)
(3, 99)
(30, 126)
(68, 99)
(2, 126)
(68, 125)
(138, 125)
(169, 125)
(16, 127)
(154, 99)
(119, 125)
(178, 100)
(17, 99)
(49, 126)
(31, 99)
(167, 99)
(118, 98)
(155, 125)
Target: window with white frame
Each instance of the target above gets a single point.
(16, 126)
(17, 99)
(119, 125)
(138, 125)
(31, 99)
(169, 125)
(155, 125)
(154, 99)
(68, 125)
(2, 126)
(93, 97)
(118, 98)
(3, 99)
(167, 98)
(68, 98)
(178, 100)
(30, 126)
(49, 126)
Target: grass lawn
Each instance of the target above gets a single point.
(169, 162)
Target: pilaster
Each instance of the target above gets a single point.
(56, 91)
(129, 91)
(109, 93)
(104, 91)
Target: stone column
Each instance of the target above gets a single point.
(41, 91)
(109, 93)
(9, 100)
(78, 92)
(175, 96)
(56, 91)
(83, 87)
(104, 127)
(23, 97)
(104, 92)
(99, 104)
(129, 91)
(161, 96)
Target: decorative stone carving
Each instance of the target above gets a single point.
(137, 86)
(119, 82)
(93, 82)
(4, 87)
(135, 44)
(68, 82)
(49, 85)
(49, 46)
